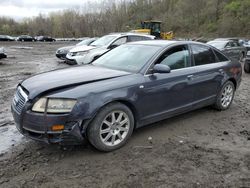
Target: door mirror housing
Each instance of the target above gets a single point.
(160, 68)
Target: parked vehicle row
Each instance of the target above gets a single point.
(6, 38)
(131, 86)
(27, 38)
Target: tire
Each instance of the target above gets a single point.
(226, 92)
(246, 67)
(117, 133)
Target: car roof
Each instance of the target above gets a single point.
(131, 34)
(165, 43)
(226, 39)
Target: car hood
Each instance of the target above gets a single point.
(66, 48)
(82, 48)
(68, 77)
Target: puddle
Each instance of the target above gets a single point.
(9, 137)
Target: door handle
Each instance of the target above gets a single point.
(190, 77)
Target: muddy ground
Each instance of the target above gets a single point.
(204, 148)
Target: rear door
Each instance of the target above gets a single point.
(209, 75)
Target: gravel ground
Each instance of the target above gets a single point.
(204, 148)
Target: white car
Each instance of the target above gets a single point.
(2, 53)
(87, 54)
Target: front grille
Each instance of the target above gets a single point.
(20, 99)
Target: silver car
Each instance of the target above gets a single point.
(87, 54)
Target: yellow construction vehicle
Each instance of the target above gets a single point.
(153, 27)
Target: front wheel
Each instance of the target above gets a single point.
(111, 127)
(225, 96)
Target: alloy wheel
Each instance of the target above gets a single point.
(227, 96)
(114, 128)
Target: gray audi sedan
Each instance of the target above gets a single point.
(131, 86)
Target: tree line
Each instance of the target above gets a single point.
(187, 18)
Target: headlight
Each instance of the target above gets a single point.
(62, 51)
(248, 53)
(81, 53)
(54, 105)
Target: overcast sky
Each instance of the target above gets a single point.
(19, 9)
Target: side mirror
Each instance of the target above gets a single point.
(160, 68)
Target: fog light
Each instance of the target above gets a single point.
(57, 127)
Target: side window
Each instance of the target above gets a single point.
(228, 45)
(202, 55)
(120, 41)
(146, 38)
(134, 38)
(236, 44)
(220, 56)
(176, 58)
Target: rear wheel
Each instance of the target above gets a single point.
(246, 67)
(225, 96)
(111, 127)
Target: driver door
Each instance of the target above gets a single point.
(167, 94)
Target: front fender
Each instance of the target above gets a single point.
(88, 107)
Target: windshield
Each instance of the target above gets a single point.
(129, 58)
(84, 42)
(218, 44)
(103, 41)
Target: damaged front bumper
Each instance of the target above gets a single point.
(39, 127)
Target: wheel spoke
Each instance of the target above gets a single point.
(125, 129)
(113, 117)
(107, 123)
(123, 122)
(107, 137)
(222, 99)
(119, 117)
(105, 131)
(113, 139)
(119, 136)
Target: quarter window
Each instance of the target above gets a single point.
(220, 56)
(175, 58)
(202, 55)
(120, 41)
